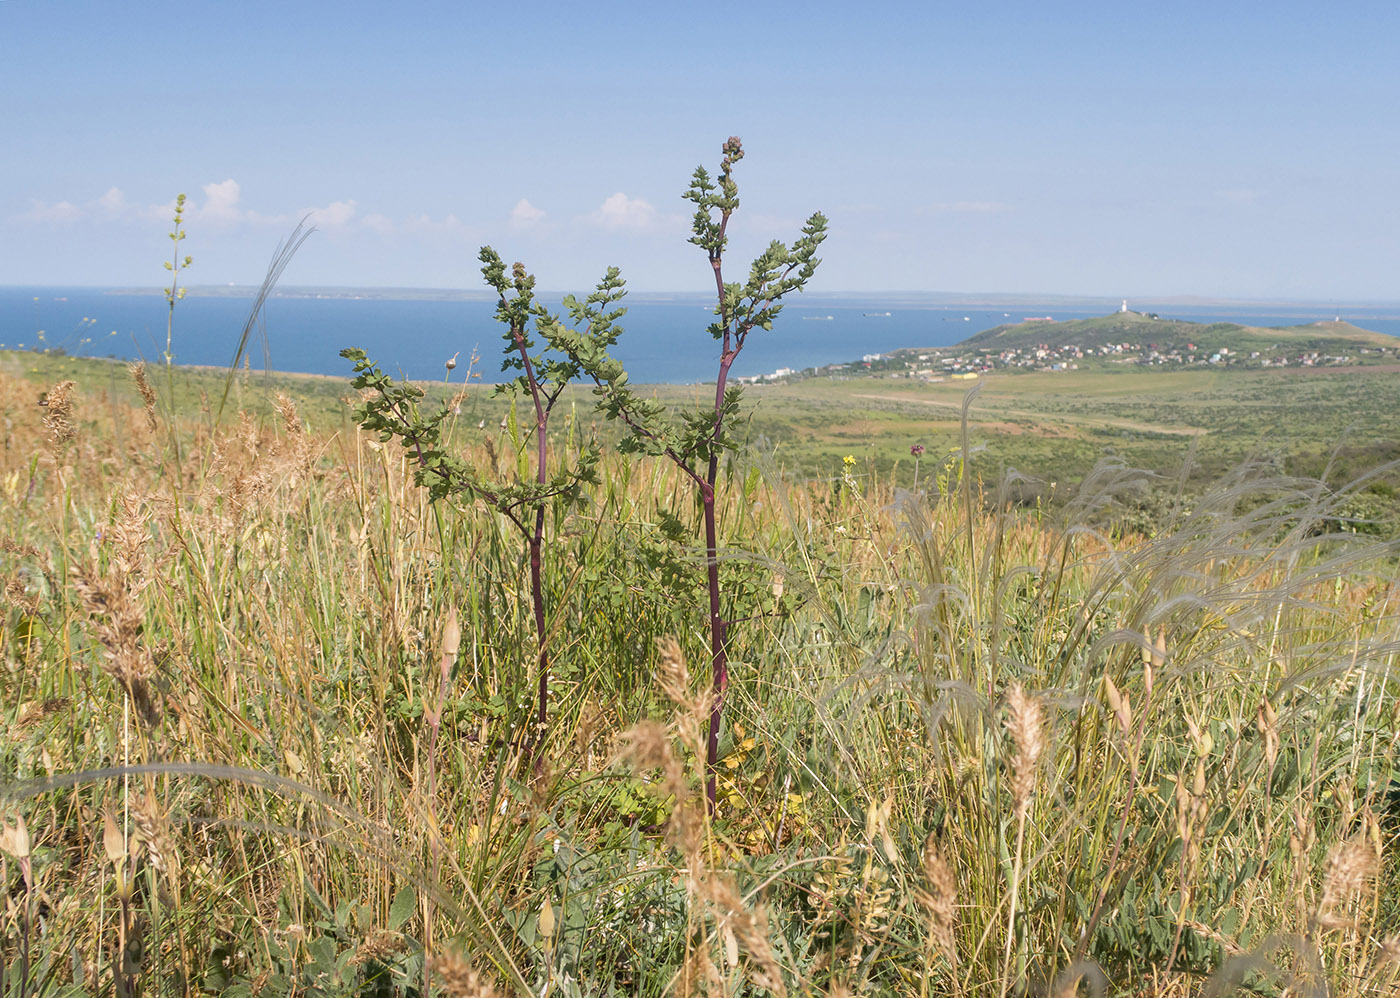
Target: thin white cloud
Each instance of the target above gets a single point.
(379, 224)
(336, 215)
(969, 208)
(525, 214)
(623, 212)
(220, 203)
(426, 223)
(113, 203)
(57, 213)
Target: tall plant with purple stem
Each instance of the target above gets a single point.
(696, 440)
(541, 371)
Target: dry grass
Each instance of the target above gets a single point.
(258, 708)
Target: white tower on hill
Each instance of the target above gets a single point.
(1124, 308)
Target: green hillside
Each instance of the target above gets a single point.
(1142, 330)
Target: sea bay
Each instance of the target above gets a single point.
(665, 338)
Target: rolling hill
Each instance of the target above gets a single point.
(1142, 330)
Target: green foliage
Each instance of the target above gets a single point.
(176, 264)
(693, 438)
(335, 953)
(395, 413)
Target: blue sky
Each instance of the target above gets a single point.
(1219, 149)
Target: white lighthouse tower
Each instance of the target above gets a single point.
(1124, 307)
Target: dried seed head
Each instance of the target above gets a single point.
(1349, 866)
(1267, 721)
(1025, 723)
(291, 420)
(451, 635)
(940, 900)
(58, 412)
(646, 745)
(458, 978)
(113, 843)
(14, 839)
(1119, 703)
(378, 945)
(154, 833)
(747, 928)
(17, 594)
(148, 394)
(675, 676)
(118, 619)
(35, 711)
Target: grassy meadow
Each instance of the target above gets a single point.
(267, 710)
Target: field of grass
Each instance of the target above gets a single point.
(1058, 425)
(266, 709)
(1052, 425)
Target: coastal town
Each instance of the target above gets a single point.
(1061, 350)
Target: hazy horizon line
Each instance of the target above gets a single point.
(951, 297)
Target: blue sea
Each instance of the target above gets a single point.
(664, 339)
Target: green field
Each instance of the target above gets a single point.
(1054, 425)
(261, 699)
(1058, 424)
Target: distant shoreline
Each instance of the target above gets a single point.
(893, 298)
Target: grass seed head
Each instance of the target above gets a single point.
(1025, 721)
(458, 978)
(148, 394)
(750, 930)
(1351, 864)
(153, 830)
(58, 412)
(291, 419)
(940, 900)
(378, 945)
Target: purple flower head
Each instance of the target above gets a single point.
(916, 450)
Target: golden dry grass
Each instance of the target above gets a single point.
(258, 708)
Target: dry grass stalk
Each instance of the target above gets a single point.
(378, 945)
(148, 393)
(17, 594)
(749, 928)
(940, 901)
(11, 546)
(675, 675)
(1351, 864)
(58, 412)
(291, 419)
(1266, 720)
(153, 830)
(647, 746)
(35, 712)
(113, 603)
(456, 977)
(698, 975)
(1384, 974)
(1025, 721)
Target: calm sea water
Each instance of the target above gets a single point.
(664, 341)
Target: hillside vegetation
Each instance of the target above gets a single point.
(1140, 329)
(266, 716)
